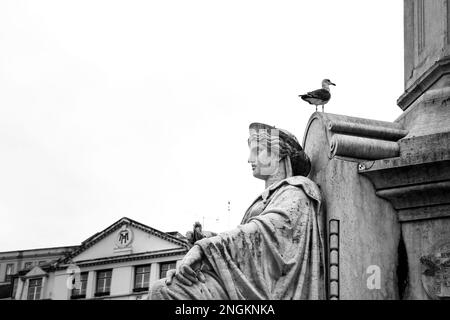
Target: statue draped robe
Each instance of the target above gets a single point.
(276, 253)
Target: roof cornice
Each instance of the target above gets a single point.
(124, 258)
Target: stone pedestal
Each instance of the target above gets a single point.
(417, 181)
(362, 231)
(386, 185)
(417, 184)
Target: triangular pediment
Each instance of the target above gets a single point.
(35, 272)
(125, 237)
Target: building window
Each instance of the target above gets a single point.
(9, 272)
(103, 286)
(28, 265)
(34, 289)
(141, 278)
(166, 266)
(80, 293)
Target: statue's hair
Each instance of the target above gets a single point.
(285, 144)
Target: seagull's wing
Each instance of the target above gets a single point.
(321, 94)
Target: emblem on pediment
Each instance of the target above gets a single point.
(436, 272)
(124, 237)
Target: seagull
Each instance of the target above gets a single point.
(320, 96)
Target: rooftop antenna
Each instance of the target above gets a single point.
(229, 214)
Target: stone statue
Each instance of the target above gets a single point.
(277, 251)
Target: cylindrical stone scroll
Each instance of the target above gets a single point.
(384, 131)
(362, 148)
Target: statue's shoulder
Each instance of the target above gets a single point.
(307, 185)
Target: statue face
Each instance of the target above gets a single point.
(264, 163)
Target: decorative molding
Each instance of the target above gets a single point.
(333, 259)
(447, 32)
(376, 129)
(36, 272)
(418, 195)
(424, 82)
(359, 138)
(424, 213)
(362, 148)
(436, 271)
(125, 258)
(407, 170)
(416, 184)
(420, 14)
(124, 238)
(138, 296)
(24, 255)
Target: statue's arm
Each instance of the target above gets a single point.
(282, 212)
(232, 247)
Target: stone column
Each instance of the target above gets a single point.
(90, 286)
(154, 272)
(43, 291)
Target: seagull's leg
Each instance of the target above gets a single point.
(322, 108)
(316, 107)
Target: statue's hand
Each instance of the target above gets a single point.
(188, 271)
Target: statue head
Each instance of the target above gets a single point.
(272, 150)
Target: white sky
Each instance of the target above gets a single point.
(141, 108)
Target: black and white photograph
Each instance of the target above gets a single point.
(247, 151)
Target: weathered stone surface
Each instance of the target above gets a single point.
(368, 229)
(422, 238)
(429, 114)
(359, 138)
(436, 271)
(359, 162)
(417, 181)
(423, 213)
(369, 128)
(426, 27)
(417, 184)
(362, 148)
(408, 170)
(427, 145)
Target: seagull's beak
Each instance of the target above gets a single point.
(332, 84)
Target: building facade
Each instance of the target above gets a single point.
(13, 262)
(119, 262)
